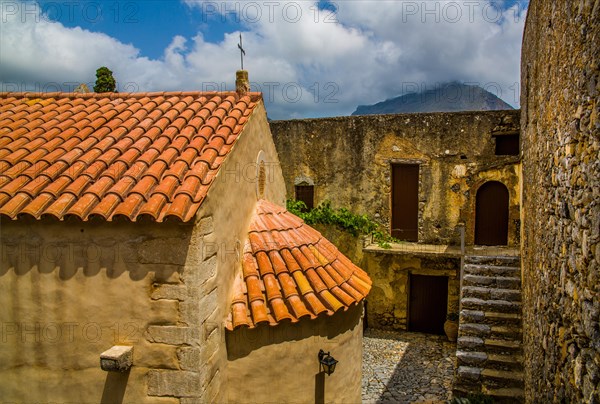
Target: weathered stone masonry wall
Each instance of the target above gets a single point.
(561, 201)
(349, 159)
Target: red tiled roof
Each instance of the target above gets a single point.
(113, 155)
(290, 271)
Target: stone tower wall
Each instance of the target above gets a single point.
(561, 201)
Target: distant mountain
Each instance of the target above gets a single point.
(449, 97)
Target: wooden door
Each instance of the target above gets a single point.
(405, 201)
(491, 214)
(428, 303)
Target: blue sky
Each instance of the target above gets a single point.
(309, 59)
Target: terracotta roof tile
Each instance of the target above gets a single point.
(115, 154)
(289, 272)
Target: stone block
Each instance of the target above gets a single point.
(205, 225)
(190, 312)
(210, 246)
(480, 330)
(163, 251)
(119, 358)
(168, 274)
(208, 305)
(173, 292)
(189, 358)
(172, 335)
(176, 383)
(198, 275)
(210, 345)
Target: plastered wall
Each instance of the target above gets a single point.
(280, 364)
(69, 291)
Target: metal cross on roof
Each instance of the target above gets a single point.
(242, 51)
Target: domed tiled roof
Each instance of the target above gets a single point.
(290, 271)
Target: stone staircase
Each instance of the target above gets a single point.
(489, 352)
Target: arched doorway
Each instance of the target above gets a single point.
(491, 214)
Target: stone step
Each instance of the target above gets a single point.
(501, 306)
(493, 378)
(469, 343)
(505, 395)
(489, 361)
(510, 395)
(468, 375)
(504, 362)
(499, 282)
(471, 358)
(495, 318)
(488, 330)
(488, 345)
(501, 346)
(513, 261)
(480, 292)
(492, 270)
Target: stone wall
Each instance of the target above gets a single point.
(561, 201)
(349, 159)
(388, 302)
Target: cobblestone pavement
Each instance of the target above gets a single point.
(406, 367)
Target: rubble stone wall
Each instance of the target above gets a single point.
(349, 160)
(561, 201)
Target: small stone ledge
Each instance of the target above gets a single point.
(119, 358)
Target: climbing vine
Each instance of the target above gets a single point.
(343, 218)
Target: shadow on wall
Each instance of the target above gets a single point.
(114, 387)
(116, 248)
(320, 388)
(243, 341)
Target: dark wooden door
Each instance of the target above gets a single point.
(306, 194)
(491, 214)
(405, 201)
(428, 303)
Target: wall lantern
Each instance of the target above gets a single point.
(327, 361)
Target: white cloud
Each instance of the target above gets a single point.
(366, 52)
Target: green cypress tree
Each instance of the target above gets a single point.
(105, 82)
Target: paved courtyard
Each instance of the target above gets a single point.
(406, 367)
